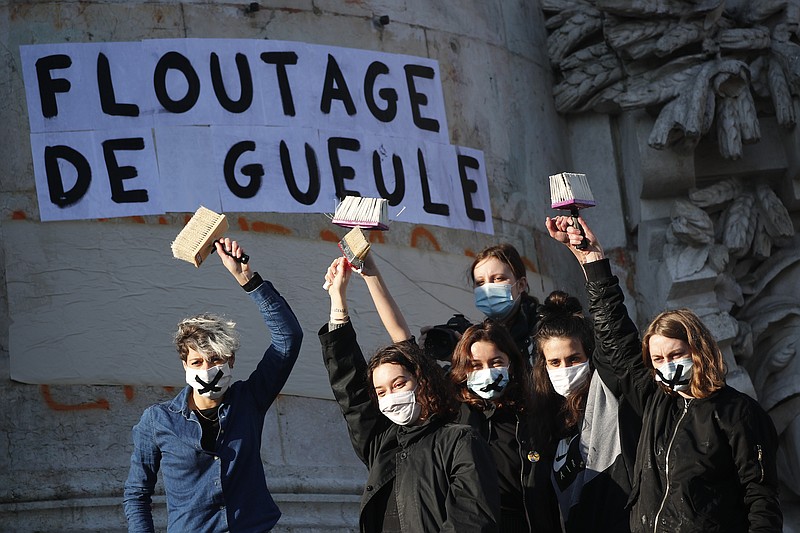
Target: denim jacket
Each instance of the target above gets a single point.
(224, 490)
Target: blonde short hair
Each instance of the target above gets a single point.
(209, 334)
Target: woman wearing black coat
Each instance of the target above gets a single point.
(706, 460)
(425, 473)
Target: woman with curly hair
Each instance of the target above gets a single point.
(493, 385)
(425, 473)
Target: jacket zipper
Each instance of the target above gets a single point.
(761, 462)
(520, 451)
(666, 468)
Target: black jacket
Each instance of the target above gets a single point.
(444, 476)
(702, 465)
(538, 499)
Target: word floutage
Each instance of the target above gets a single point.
(138, 128)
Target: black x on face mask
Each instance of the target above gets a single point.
(211, 383)
(675, 374)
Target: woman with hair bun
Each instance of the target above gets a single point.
(706, 458)
(583, 419)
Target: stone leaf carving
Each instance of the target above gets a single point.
(682, 261)
(717, 194)
(690, 224)
(740, 225)
(774, 214)
(665, 55)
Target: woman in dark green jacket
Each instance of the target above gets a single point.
(425, 473)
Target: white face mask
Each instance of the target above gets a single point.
(672, 378)
(488, 383)
(567, 379)
(211, 383)
(400, 407)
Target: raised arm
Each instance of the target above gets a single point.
(618, 353)
(273, 370)
(390, 314)
(347, 369)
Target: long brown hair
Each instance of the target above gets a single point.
(708, 365)
(519, 388)
(561, 316)
(434, 392)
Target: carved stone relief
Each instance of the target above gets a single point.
(703, 67)
(726, 73)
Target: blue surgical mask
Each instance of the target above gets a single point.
(488, 383)
(494, 300)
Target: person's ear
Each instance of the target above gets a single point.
(523, 284)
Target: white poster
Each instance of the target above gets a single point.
(235, 119)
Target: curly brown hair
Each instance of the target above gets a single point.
(708, 374)
(519, 388)
(434, 392)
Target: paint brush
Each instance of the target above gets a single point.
(571, 192)
(196, 240)
(357, 212)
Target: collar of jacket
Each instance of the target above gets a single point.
(180, 403)
(524, 322)
(407, 435)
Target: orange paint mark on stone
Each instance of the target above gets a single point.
(18, 215)
(129, 392)
(101, 403)
(422, 233)
(163, 220)
(529, 264)
(243, 224)
(138, 219)
(376, 236)
(328, 235)
(469, 252)
(267, 227)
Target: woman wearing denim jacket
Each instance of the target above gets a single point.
(207, 440)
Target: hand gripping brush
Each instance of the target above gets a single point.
(196, 240)
(571, 192)
(357, 212)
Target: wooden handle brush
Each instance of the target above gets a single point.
(571, 192)
(354, 247)
(196, 240)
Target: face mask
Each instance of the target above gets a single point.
(211, 383)
(566, 379)
(488, 383)
(676, 375)
(494, 300)
(400, 407)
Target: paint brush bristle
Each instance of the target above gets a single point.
(569, 190)
(196, 240)
(370, 213)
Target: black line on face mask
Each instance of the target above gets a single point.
(495, 385)
(211, 386)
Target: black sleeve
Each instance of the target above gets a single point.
(347, 372)
(618, 353)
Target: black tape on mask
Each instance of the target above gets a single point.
(495, 385)
(676, 380)
(211, 386)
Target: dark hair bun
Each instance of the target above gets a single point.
(559, 304)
